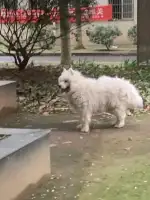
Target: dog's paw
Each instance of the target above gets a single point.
(129, 113)
(85, 130)
(121, 125)
(79, 126)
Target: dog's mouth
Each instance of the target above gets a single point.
(65, 90)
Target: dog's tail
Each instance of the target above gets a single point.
(140, 103)
(137, 100)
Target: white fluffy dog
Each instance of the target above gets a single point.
(105, 94)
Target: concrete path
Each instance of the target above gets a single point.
(56, 59)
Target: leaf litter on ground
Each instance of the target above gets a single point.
(38, 92)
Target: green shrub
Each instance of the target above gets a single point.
(132, 34)
(104, 35)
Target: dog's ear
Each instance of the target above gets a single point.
(64, 69)
(71, 71)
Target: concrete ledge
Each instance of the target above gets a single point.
(24, 160)
(96, 53)
(118, 52)
(8, 98)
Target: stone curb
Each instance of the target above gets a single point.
(123, 53)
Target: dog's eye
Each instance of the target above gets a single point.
(66, 81)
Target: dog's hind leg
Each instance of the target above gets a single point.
(120, 113)
(79, 126)
(130, 112)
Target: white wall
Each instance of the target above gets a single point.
(135, 11)
(102, 2)
(123, 25)
(23, 3)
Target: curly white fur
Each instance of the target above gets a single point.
(105, 94)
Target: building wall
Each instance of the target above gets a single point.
(135, 11)
(123, 25)
(102, 2)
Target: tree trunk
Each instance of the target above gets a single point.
(65, 32)
(79, 42)
(23, 64)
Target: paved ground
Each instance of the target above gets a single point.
(56, 59)
(76, 158)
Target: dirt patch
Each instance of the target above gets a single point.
(86, 167)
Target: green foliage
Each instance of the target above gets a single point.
(132, 34)
(104, 35)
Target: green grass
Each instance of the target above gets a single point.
(120, 182)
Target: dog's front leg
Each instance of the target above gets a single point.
(80, 126)
(86, 122)
(121, 115)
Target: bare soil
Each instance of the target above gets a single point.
(85, 166)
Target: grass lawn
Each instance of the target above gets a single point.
(125, 179)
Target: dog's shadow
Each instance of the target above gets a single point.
(102, 126)
(98, 123)
(95, 125)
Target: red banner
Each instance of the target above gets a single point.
(97, 13)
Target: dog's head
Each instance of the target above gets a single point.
(65, 79)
